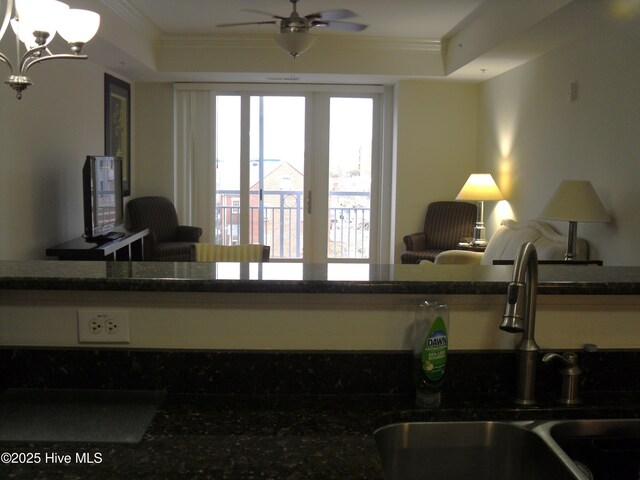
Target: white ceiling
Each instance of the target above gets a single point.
(430, 19)
(178, 40)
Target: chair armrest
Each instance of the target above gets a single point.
(415, 241)
(150, 240)
(458, 257)
(186, 233)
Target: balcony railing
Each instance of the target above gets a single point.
(279, 222)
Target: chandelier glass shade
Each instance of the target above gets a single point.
(35, 23)
(294, 43)
(79, 26)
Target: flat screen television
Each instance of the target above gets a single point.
(102, 198)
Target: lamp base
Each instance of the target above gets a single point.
(479, 233)
(572, 240)
(478, 242)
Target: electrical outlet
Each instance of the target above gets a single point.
(112, 327)
(103, 326)
(95, 326)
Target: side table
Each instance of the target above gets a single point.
(470, 247)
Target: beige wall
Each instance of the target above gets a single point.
(309, 322)
(436, 145)
(153, 166)
(532, 136)
(44, 139)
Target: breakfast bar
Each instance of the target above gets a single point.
(295, 306)
(287, 370)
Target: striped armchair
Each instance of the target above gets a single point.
(445, 224)
(167, 241)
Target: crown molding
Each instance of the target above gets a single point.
(333, 42)
(135, 18)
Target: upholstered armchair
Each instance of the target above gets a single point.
(445, 224)
(167, 241)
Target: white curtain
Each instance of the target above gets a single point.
(194, 160)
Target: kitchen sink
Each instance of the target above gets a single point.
(603, 448)
(469, 450)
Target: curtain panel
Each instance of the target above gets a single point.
(195, 160)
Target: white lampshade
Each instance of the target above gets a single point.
(480, 186)
(575, 201)
(40, 15)
(295, 43)
(79, 26)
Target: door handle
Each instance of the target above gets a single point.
(308, 202)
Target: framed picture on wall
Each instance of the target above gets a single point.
(117, 125)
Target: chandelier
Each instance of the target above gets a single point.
(35, 23)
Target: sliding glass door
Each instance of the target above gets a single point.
(295, 172)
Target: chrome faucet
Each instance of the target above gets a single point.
(520, 316)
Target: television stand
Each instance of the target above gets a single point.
(129, 246)
(106, 238)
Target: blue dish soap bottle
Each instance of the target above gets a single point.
(430, 347)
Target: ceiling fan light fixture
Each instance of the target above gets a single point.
(295, 43)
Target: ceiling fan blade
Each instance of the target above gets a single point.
(263, 13)
(337, 25)
(337, 14)
(271, 22)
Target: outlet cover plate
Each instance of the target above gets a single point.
(103, 326)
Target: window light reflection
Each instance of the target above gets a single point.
(348, 271)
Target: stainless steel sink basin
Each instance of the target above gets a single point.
(469, 450)
(603, 448)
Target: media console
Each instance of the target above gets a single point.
(128, 247)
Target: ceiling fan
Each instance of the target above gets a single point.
(294, 29)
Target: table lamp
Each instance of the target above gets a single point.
(480, 187)
(575, 201)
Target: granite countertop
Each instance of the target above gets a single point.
(309, 278)
(232, 437)
(278, 437)
(288, 415)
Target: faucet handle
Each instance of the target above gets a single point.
(568, 359)
(570, 372)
